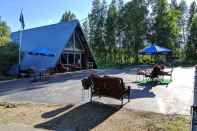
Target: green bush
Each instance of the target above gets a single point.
(8, 56)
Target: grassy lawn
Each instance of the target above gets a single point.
(98, 117)
(128, 120)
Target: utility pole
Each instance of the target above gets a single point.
(19, 50)
(21, 19)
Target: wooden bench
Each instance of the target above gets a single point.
(110, 87)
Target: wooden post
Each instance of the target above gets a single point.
(74, 47)
(80, 59)
(61, 59)
(67, 59)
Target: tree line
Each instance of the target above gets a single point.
(116, 32)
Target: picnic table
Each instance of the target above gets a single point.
(41, 75)
(157, 72)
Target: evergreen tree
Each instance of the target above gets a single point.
(165, 24)
(183, 7)
(67, 16)
(86, 30)
(135, 20)
(191, 49)
(101, 30)
(192, 11)
(110, 30)
(182, 23)
(174, 4)
(120, 32)
(96, 29)
(120, 4)
(93, 22)
(150, 37)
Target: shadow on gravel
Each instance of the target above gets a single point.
(57, 111)
(82, 118)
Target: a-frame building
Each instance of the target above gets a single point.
(66, 40)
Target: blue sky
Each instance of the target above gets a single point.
(41, 12)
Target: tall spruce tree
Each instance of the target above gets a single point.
(191, 48)
(102, 46)
(174, 4)
(96, 29)
(182, 23)
(86, 30)
(67, 16)
(165, 24)
(110, 30)
(135, 20)
(120, 32)
(120, 4)
(183, 6)
(192, 11)
(93, 24)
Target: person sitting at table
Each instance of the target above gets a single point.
(158, 70)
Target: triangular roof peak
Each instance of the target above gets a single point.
(51, 25)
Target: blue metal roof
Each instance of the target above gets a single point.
(53, 37)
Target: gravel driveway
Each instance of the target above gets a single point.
(66, 88)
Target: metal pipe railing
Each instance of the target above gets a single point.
(194, 107)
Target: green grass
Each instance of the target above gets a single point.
(165, 81)
(149, 81)
(179, 123)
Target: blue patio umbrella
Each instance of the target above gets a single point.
(154, 49)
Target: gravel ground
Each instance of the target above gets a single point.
(90, 116)
(66, 89)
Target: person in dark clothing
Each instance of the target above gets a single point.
(156, 71)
